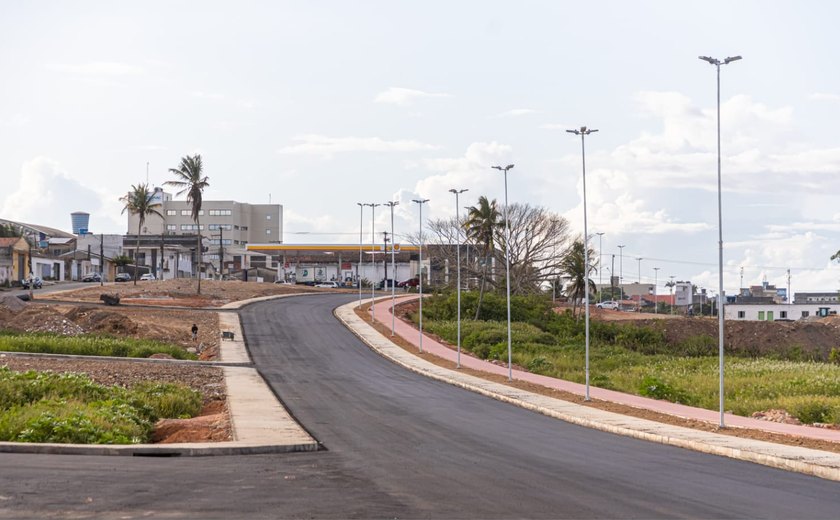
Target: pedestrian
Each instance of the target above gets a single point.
(194, 332)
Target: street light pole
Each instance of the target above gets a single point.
(655, 281)
(420, 203)
(600, 267)
(717, 63)
(640, 282)
(458, 261)
(507, 269)
(373, 260)
(393, 265)
(359, 265)
(583, 132)
(621, 271)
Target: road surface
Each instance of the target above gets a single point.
(401, 446)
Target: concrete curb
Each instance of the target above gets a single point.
(802, 460)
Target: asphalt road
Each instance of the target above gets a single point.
(401, 446)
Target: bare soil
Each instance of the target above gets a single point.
(641, 413)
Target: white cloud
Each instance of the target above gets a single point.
(313, 144)
(213, 96)
(822, 96)
(556, 126)
(47, 194)
(516, 112)
(96, 68)
(405, 96)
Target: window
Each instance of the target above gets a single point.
(782, 315)
(267, 231)
(191, 227)
(760, 315)
(742, 315)
(171, 212)
(185, 213)
(171, 227)
(268, 217)
(236, 227)
(215, 242)
(236, 242)
(219, 212)
(805, 314)
(244, 228)
(216, 227)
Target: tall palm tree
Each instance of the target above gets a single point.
(189, 176)
(573, 265)
(483, 221)
(139, 201)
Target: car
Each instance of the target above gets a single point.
(611, 305)
(122, 277)
(331, 285)
(386, 284)
(282, 282)
(147, 276)
(92, 277)
(37, 283)
(411, 282)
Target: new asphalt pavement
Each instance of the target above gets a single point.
(399, 445)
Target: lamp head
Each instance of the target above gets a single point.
(713, 61)
(731, 59)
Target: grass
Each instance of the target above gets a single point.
(88, 345)
(71, 408)
(638, 360)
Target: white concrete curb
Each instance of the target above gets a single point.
(802, 460)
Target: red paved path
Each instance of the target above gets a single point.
(410, 333)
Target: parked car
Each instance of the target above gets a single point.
(387, 283)
(411, 282)
(122, 277)
(611, 305)
(37, 283)
(331, 285)
(147, 276)
(92, 277)
(283, 282)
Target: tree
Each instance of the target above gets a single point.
(189, 176)
(483, 221)
(538, 240)
(573, 265)
(10, 231)
(139, 201)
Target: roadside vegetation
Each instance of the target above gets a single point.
(71, 408)
(639, 360)
(87, 345)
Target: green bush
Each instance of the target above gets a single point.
(697, 346)
(834, 356)
(539, 365)
(652, 386)
(815, 411)
(88, 345)
(71, 408)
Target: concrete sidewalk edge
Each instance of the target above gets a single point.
(801, 460)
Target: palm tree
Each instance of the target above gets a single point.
(139, 201)
(189, 177)
(483, 221)
(573, 265)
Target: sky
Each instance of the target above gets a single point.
(320, 105)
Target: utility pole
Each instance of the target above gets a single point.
(640, 281)
(600, 266)
(102, 259)
(789, 295)
(221, 250)
(672, 293)
(621, 270)
(655, 281)
(742, 279)
(385, 240)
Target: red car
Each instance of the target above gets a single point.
(411, 282)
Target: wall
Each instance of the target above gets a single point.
(794, 312)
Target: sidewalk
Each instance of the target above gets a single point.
(813, 462)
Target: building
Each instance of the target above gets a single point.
(80, 221)
(775, 312)
(14, 260)
(764, 293)
(168, 241)
(817, 297)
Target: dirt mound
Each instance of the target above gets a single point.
(12, 303)
(107, 322)
(41, 319)
(212, 425)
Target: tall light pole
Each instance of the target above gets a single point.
(621, 271)
(507, 269)
(600, 267)
(393, 265)
(655, 281)
(717, 63)
(359, 266)
(639, 258)
(672, 293)
(583, 132)
(420, 203)
(458, 261)
(373, 259)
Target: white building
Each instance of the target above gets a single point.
(773, 311)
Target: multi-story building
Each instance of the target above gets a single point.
(817, 297)
(225, 226)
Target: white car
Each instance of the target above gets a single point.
(282, 282)
(608, 305)
(331, 285)
(147, 276)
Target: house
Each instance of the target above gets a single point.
(817, 297)
(14, 260)
(775, 311)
